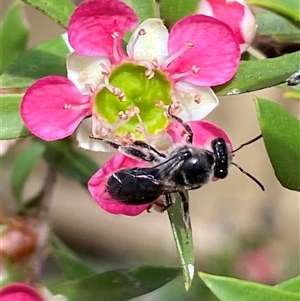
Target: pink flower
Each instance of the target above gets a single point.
(128, 94)
(236, 14)
(19, 292)
(204, 133)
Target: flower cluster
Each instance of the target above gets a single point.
(125, 95)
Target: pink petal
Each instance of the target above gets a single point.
(231, 13)
(97, 186)
(93, 23)
(215, 51)
(204, 133)
(19, 292)
(42, 108)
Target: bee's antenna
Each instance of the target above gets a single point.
(249, 175)
(247, 143)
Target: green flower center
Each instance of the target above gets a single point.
(140, 92)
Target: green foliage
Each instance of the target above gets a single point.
(183, 236)
(171, 11)
(13, 34)
(11, 123)
(277, 27)
(58, 10)
(70, 265)
(288, 9)
(231, 289)
(291, 285)
(281, 134)
(260, 74)
(145, 9)
(116, 285)
(69, 161)
(48, 58)
(23, 166)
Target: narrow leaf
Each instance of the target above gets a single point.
(277, 27)
(71, 266)
(58, 10)
(260, 74)
(12, 126)
(172, 11)
(281, 134)
(116, 285)
(183, 236)
(48, 58)
(63, 157)
(12, 45)
(288, 9)
(231, 289)
(23, 166)
(144, 9)
(291, 285)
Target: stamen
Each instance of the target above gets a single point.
(194, 70)
(197, 98)
(141, 32)
(167, 62)
(116, 42)
(103, 132)
(149, 73)
(122, 115)
(76, 107)
(114, 90)
(106, 69)
(159, 103)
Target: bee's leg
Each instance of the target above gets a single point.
(185, 209)
(111, 143)
(149, 147)
(190, 135)
(131, 150)
(169, 202)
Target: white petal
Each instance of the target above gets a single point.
(191, 110)
(83, 133)
(152, 45)
(84, 70)
(65, 37)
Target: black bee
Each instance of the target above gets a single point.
(186, 168)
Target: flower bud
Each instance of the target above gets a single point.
(236, 14)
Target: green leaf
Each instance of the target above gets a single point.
(291, 285)
(71, 162)
(23, 166)
(231, 289)
(12, 126)
(116, 285)
(58, 10)
(183, 236)
(71, 266)
(277, 27)
(288, 9)
(260, 74)
(144, 9)
(171, 11)
(48, 58)
(281, 134)
(13, 34)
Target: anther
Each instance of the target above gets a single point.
(122, 115)
(167, 62)
(194, 70)
(158, 103)
(149, 73)
(103, 132)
